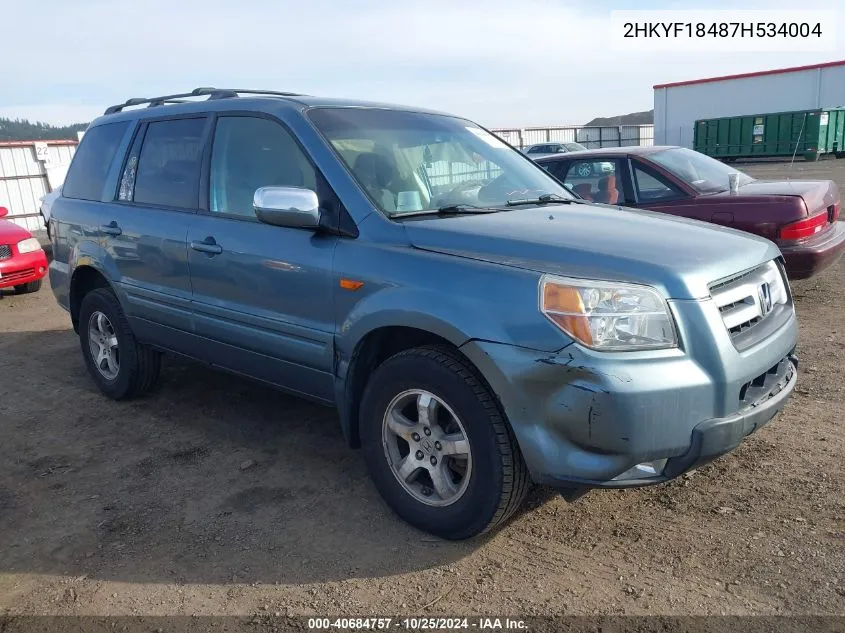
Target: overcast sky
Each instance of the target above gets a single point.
(500, 62)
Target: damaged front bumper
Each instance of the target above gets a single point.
(587, 419)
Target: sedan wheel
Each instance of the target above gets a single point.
(584, 170)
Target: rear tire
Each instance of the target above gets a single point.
(121, 366)
(32, 286)
(495, 479)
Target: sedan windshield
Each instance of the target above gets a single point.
(574, 147)
(704, 174)
(411, 162)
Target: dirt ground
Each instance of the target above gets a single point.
(218, 496)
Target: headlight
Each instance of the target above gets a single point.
(29, 245)
(608, 316)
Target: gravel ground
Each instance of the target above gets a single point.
(218, 496)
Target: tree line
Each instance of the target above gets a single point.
(24, 130)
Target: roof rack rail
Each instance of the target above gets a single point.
(211, 93)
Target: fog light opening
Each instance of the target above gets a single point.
(645, 470)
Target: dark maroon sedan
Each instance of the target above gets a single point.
(800, 216)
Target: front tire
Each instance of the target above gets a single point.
(121, 366)
(32, 286)
(437, 446)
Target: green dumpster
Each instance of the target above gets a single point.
(807, 133)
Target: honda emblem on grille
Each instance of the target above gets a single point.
(765, 294)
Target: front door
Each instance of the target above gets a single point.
(145, 229)
(262, 295)
(655, 191)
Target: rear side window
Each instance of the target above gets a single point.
(168, 170)
(87, 174)
(597, 181)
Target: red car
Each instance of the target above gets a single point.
(23, 263)
(800, 216)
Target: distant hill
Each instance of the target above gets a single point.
(635, 118)
(23, 130)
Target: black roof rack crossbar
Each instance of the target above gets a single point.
(211, 93)
(159, 102)
(247, 91)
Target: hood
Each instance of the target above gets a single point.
(11, 233)
(680, 257)
(817, 194)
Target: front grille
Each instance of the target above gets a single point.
(17, 274)
(5, 251)
(766, 385)
(749, 299)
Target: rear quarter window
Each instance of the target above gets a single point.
(86, 176)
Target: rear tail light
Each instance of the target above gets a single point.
(834, 216)
(804, 228)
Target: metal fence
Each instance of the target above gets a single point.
(28, 171)
(444, 175)
(592, 137)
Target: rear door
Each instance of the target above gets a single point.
(262, 295)
(598, 179)
(145, 228)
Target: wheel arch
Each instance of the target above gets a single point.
(371, 350)
(85, 278)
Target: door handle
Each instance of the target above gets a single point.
(111, 228)
(208, 246)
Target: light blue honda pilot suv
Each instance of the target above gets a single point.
(477, 326)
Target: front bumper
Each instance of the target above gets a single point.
(586, 419)
(809, 258)
(23, 269)
(713, 438)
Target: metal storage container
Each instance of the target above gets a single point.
(807, 133)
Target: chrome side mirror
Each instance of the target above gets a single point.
(292, 207)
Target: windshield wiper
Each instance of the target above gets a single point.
(449, 209)
(545, 198)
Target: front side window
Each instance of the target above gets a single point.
(597, 181)
(87, 174)
(703, 173)
(412, 161)
(249, 153)
(652, 187)
(168, 167)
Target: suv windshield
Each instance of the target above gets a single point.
(412, 162)
(704, 174)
